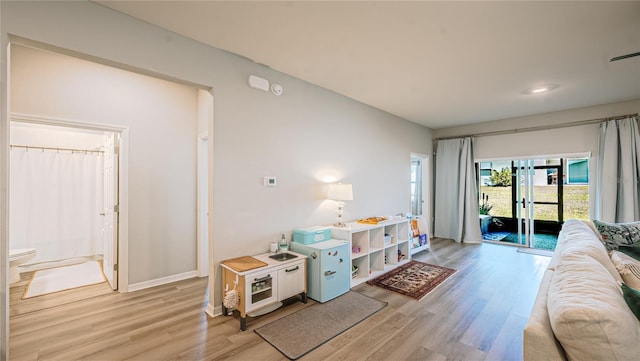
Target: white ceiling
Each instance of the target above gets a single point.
(439, 64)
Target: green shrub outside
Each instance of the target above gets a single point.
(501, 178)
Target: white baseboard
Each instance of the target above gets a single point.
(162, 281)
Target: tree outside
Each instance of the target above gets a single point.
(501, 178)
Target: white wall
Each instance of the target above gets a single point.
(299, 137)
(162, 122)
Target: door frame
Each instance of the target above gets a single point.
(427, 206)
(123, 181)
(543, 225)
(202, 202)
(111, 142)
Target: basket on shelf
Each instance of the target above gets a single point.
(388, 238)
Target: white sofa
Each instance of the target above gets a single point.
(579, 312)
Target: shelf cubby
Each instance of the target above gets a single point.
(376, 261)
(403, 248)
(391, 231)
(403, 232)
(376, 238)
(363, 269)
(391, 256)
(360, 239)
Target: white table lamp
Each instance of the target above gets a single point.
(340, 192)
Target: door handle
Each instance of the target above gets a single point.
(292, 269)
(329, 273)
(523, 204)
(265, 278)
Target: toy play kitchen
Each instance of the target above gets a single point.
(256, 285)
(328, 274)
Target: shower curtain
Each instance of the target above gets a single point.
(55, 201)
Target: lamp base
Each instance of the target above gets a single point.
(340, 223)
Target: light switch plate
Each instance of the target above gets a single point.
(269, 181)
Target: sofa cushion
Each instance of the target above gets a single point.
(624, 237)
(628, 267)
(578, 238)
(588, 313)
(632, 297)
(538, 340)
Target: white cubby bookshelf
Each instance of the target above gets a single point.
(376, 255)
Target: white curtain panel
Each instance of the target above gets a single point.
(456, 192)
(618, 178)
(55, 201)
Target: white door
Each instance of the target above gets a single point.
(110, 228)
(525, 172)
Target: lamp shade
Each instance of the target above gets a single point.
(340, 192)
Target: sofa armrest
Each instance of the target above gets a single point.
(594, 229)
(539, 342)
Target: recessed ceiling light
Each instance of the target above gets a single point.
(540, 89)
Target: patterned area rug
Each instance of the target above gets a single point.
(414, 279)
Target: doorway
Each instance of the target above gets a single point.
(64, 195)
(537, 202)
(158, 110)
(524, 202)
(416, 186)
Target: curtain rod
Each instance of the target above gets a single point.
(72, 150)
(540, 127)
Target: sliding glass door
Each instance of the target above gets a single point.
(522, 199)
(537, 200)
(524, 202)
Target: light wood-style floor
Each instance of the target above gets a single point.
(477, 314)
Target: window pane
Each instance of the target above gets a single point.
(576, 202)
(545, 212)
(499, 198)
(578, 170)
(545, 193)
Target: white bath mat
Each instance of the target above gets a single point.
(64, 278)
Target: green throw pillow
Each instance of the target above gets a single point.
(632, 297)
(616, 235)
(632, 250)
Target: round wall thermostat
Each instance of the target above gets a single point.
(276, 89)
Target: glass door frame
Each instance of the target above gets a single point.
(522, 174)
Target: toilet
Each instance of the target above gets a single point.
(16, 258)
